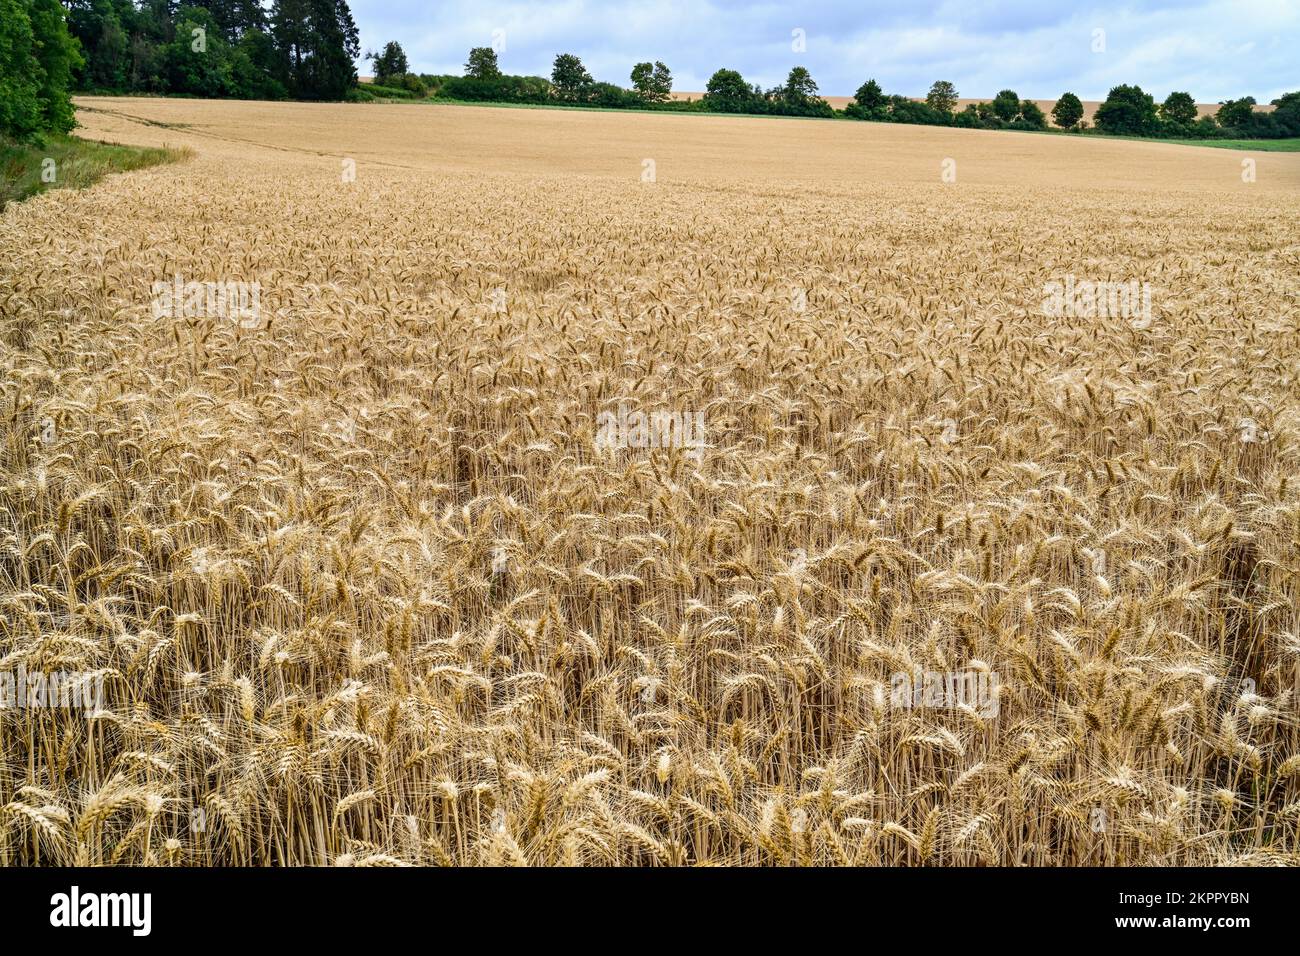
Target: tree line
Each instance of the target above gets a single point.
(300, 49)
(1127, 110)
(37, 60)
(571, 84)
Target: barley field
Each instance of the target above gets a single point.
(946, 574)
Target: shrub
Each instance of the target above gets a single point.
(411, 83)
(1172, 130)
(433, 82)
(903, 110)
(613, 97)
(389, 92)
(501, 89)
(816, 107)
(1206, 127)
(858, 112)
(1031, 115)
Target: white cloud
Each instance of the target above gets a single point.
(1216, 49)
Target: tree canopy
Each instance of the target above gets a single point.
(653, 82)
(37, 58)
(1127, 110)
(1178, 108)
(569, 77)
(389, 63)
(1068, 111)
(942, 96)
(482, 63)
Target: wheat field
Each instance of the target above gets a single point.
(1089, 106)
(362, 584)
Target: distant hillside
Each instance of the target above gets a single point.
(839, 102)
(1089, 106)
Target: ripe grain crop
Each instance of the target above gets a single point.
(363, 588)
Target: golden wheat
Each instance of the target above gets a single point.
(363, 589)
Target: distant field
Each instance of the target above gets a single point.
(1089, 106)
(911, 566)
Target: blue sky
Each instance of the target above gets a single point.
(1215, 50)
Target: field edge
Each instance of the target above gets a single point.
(77, 163)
